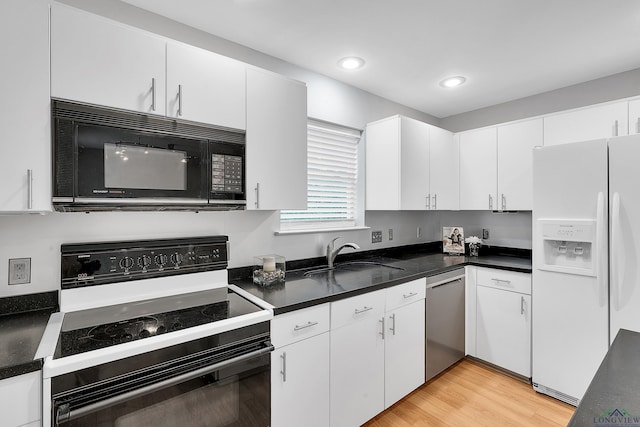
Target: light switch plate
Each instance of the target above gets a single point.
(19, 271)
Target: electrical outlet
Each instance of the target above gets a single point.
(485, 233)
(19, 271)
(376, 236)
(391, 234)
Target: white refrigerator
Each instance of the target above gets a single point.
(586, 226)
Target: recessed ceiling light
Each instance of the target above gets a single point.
(453, 81)
(351, 63)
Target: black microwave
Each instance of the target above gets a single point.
(108, 159)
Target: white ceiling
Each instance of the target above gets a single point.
(507, 49)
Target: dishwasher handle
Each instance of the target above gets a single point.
(445, 282)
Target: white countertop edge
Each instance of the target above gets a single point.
(50, 336)
(254, 299)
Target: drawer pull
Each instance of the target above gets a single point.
(358, 311)
(305, 326)
(501, 281)
(410, 295)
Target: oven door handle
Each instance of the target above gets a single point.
(64, 415)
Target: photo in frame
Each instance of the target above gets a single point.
(453, 240)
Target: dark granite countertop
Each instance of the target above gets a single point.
(613, 396)
(300, 291)
(22, 323)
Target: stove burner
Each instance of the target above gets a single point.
(141, 327)
(216, 311)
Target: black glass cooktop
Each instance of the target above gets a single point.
(102, 327)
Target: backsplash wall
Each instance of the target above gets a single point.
(251, 233)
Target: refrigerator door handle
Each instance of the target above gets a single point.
(602, 248)
(617, 256)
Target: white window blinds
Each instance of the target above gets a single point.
(332, 178)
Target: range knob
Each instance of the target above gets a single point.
(144, 261)
(177, 258)
(126, 263)
(161, 259)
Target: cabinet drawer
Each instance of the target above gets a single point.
(353, 309)
(300, 324)
(406, 293)
(502, 279)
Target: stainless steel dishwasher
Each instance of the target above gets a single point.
(445, 321)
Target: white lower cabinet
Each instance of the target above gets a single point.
(503, 319)
(300, 368)
(21, 400)
(377, 351)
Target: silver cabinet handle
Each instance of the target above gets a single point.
(411, 294)
(29, 188)
(504, 202)
(180, 100)
(382, 329)
(257, 195)
(435, 202)
(521, 305)
(501, 280)
(615, 128)
(393, 323)
(362, 310)
(638, 125)
(305, 326)
(490, 202)
(283, 372)
(153, 94)
(428, 201)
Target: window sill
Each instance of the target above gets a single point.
(318, 230)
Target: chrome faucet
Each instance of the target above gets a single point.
(331, 253)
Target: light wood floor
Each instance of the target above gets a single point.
(469, 394)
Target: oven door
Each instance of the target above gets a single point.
(117, 163)
(230, 392)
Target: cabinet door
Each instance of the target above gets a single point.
(102, 62)
(382, 189)
(414, 166)
(357, 372)
(634, 117)
(470, 310)
(205, 87)
(503, 330)
(444, 170)
(300, 383)
(404, 351)
(478, 170)
(25, 147)
(276, 142)
(602, 121)
(515, 164)
(21, 399)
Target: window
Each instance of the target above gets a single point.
(332, 179)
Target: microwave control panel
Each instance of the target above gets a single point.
(226, 173)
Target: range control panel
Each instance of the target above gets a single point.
(89, 264)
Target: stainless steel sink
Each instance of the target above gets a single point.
(351, 266)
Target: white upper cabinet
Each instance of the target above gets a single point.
(276, 142)
(478, 169)
(601, 121)
(634, 116)
(444, 169)
(205, 87)
(515, 163)
(400, 153)
(25, 144)
(98, 61)
(414, 164)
